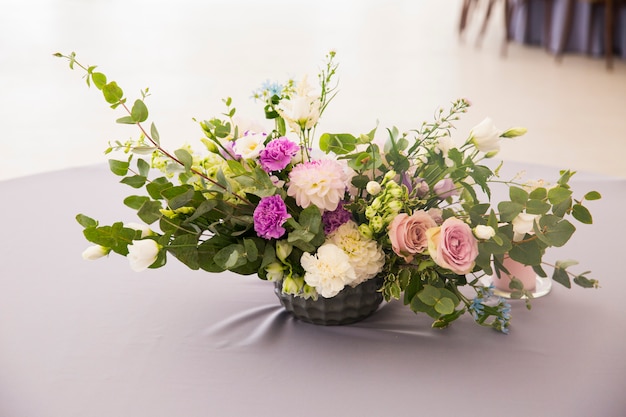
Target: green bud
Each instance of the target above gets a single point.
(283, 249)
(514, 132)
(365, 230)
(376, 223)
(377, 204)
(370, 212)
(275, 271)
(394, 206)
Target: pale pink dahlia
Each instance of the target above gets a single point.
(321, 183)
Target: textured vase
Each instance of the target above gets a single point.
(348, 306)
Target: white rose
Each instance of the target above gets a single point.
(486, 137)
(95, 252)
(142, 254)
(484, 232)
(523, 224)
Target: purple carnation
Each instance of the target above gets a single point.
(269, 217)
(445, 188)
(333, 219)
(277, 154)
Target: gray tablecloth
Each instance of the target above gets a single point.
(95, 339)
(587, 26)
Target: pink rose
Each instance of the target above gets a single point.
(453, 246)
(408, 233)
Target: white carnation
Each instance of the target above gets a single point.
(328, 271)
(365, 255)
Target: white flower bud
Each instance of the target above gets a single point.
(486, 137)
(95, 252)
(274, 271)
(142, 254)
(484, 232)
(373, 188)
(145, 230)
(283, 249)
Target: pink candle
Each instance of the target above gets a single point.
(524, 273)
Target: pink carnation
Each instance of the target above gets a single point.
(277, 154)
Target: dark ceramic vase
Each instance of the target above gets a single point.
(348, 306)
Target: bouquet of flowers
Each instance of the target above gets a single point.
(320, 214)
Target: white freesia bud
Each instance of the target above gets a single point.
(486, 137)
(95, 252)
(283, 249)
(484, 232)
(142, 254)
(514, 132)
(145, 230)
(523, 224)
(274, 271)
(373, 188)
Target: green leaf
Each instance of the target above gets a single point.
(143, 167)
(99, 80)
(537, 207)
(136, 181)
(155, 134)
(558, 195)
(528, 253)
(119, 168)
(127, 120)
(156, 187)
(185, 249)
(566, 264)
(112, 92)
(135, 201)
(150, 211)
(252, 252)
(232, 256)
(557, 231)
(593, 195)
(185, 158)
(582, 214)
(560, 275)
(86, 221)
(178, 196)
(139, 112)
(339, 143)
(509, 210)
(538, 194)
(518, 195)
(582, 281)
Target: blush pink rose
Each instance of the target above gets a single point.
(453, 246)
(408, 233)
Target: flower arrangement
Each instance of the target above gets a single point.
(320, 214)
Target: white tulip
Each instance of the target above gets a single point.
(95, 252)
(142, 254)
(486, 137)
